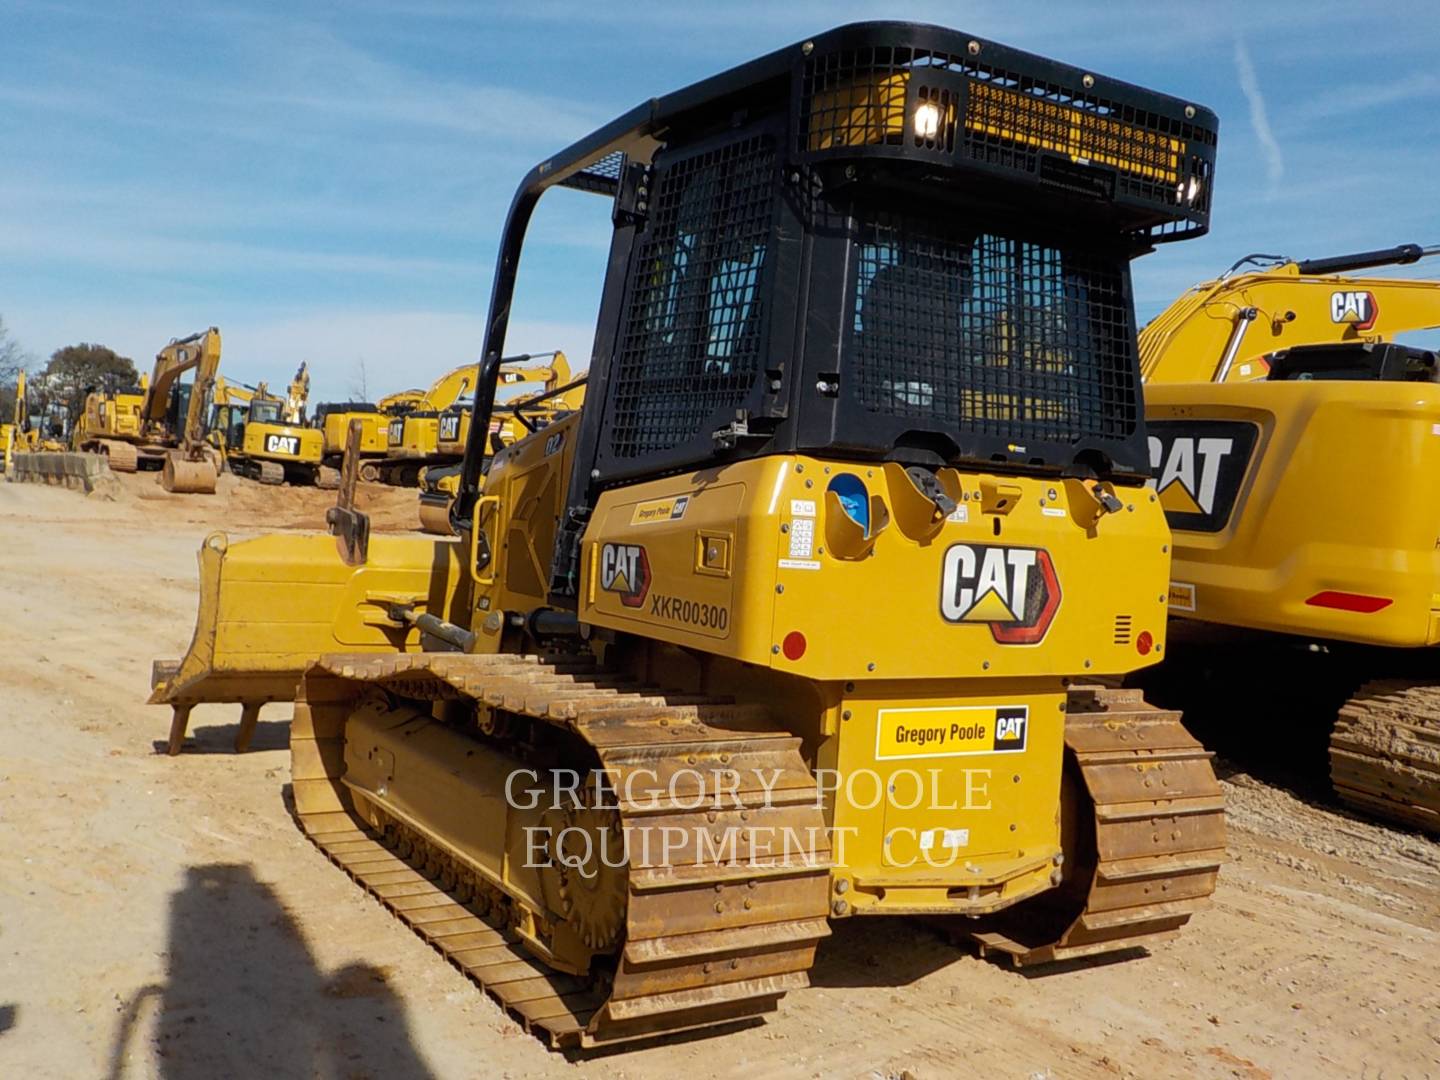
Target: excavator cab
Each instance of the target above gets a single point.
(855, 498)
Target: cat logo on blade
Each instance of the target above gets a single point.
(625, 570)
(450, 427)
(1198, 466)
(1014, 590)
(1354, 306)
(282, 444)
(956, 731)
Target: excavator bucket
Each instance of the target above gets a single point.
(184, 477)
(270, 605)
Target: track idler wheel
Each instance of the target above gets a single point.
(271, 473)
(327, 478)
(594, 885)
(184, 477)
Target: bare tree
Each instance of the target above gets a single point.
(359, 385)
(12, 360)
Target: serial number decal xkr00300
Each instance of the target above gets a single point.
(1013, 590)
(676, 609)
(952, 731)
(282, 444)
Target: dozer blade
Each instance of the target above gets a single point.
(693, 935)
(1143, 826)
(272, 605)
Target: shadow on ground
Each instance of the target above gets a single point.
(7, 1017)
(244, 997)
(220, 738)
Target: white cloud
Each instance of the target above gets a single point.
(1259, 119)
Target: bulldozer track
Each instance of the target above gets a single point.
(1385, 752)
(1149, 854)
(711, 936)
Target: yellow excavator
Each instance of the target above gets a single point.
(13, 434)
(795, 620)
(266, 438)
(1292, 438)
(413, 437)
(159, 425)
(172, 414)
(335, 418)
(110, 425)
(559, 395)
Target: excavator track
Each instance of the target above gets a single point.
(122, 456)
(1385, 752)
(714, 934)
(1143, 826)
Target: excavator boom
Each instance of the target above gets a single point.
(1222, 330)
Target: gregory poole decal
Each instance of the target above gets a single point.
(1013, 590)
(657, 510)
(282, 444)
(625, 571)
(951, 732)
(1198, 466)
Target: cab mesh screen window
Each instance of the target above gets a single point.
(973, 331)
(690, 339)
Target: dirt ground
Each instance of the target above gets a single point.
(164, 917)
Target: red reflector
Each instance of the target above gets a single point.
(1349, 601)
(794, 645)
(1144, 643)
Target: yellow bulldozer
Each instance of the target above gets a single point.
(1292, 437)
(796, 619)
(266, 438)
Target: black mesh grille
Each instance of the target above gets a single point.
(973, 331)
(599, 177)
(1010, 119)
(690, 340)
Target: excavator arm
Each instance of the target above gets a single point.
(1222, 330)
(188, 468)
(297, 395)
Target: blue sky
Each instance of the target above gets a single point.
(326, 180)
